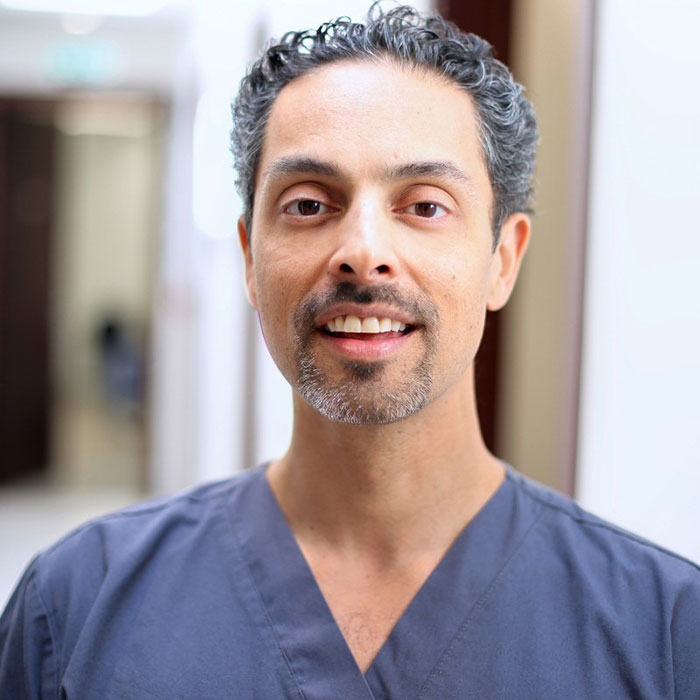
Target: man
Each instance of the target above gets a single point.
(386, 172)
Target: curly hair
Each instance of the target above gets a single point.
(506, 119)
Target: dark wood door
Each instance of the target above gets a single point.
(26, 163)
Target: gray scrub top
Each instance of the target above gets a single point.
(207, 595)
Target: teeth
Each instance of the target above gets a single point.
(352, 324)
(371, 324)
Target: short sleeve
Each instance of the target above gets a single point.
(27, 653)
(685, 638)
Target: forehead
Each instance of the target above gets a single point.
(367, 115)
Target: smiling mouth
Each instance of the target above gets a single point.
(369, 328)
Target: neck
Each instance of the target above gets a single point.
(386, 491)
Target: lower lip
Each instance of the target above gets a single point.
(376, 347)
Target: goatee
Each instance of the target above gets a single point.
(359, 397)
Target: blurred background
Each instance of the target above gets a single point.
(130, 364)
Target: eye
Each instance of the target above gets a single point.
(306, 207)
(427, 210)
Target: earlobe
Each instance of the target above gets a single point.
(244, 241)
(512, 244)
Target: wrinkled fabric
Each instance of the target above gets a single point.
(207, 596)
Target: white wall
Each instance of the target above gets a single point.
(639, 437)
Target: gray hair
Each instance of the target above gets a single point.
(506, 119)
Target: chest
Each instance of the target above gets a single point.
(365, 605)
(509, 646)
(366, 622)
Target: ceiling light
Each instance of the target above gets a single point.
(129, 8)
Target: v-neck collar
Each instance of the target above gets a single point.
(309, 636)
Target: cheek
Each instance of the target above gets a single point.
(270, 288)
(273, 305)
(270, 294)
(462, 282)
(463, 294)
(282, 282)
(273, 275)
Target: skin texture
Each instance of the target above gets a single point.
(374, 506)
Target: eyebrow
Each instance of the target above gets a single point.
(429, 168)
(294, 165)
(301, 165)
(438, 167)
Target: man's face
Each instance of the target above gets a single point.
(370, 257)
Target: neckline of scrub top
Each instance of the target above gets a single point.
(308, 635)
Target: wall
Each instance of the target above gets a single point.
(541, 327)
(106, 196)
(640, 416)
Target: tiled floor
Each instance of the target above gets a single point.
(34, 516)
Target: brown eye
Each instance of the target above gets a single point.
(426, 209)
(429, 210)
(306, 207)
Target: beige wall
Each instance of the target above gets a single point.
(541, 323)
(106, 203)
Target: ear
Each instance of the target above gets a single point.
(248, 259)
(512, 244)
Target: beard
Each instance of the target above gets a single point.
(359, 396)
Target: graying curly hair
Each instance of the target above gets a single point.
(506, 119)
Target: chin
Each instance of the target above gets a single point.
(354, 402)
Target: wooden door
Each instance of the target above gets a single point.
(26, 163)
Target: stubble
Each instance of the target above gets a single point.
(359, 396)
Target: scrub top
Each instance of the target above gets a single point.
(207, 596)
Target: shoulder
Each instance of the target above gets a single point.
(88, 589)
(137, 532)
(618, 576)
(642, 598)
(574, 531)
(117, 554)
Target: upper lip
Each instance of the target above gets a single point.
(364, 311)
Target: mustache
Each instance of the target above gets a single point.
(419, 307)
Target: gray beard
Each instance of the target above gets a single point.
(360, 399)
(355, 401)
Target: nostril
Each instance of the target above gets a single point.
(382, 268)
(346, 268)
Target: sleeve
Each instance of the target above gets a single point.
(685, 638)
(28, 667)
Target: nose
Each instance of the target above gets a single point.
(365, 253)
